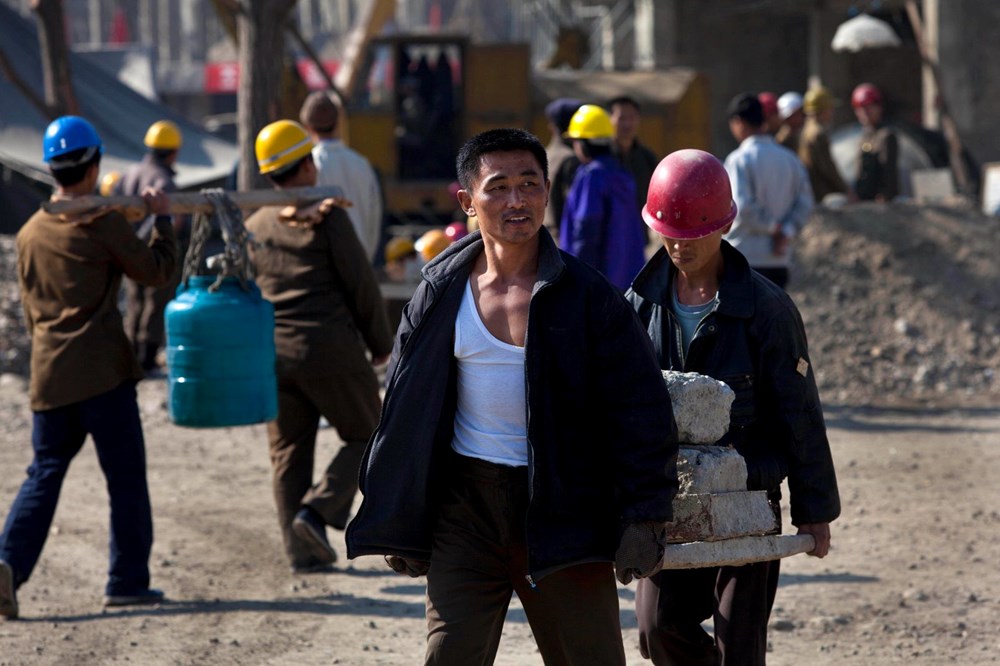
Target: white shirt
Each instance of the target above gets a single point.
(336, 164)
(491, 419)
(771, 190)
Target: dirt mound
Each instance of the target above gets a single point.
(901, 303)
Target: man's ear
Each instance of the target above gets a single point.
(465, 201)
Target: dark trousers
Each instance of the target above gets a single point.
(351, 405)
(672, 605)
(112, 420)
(479, 559)
(144, 318)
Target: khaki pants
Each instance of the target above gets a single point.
(351, 404)
(479, 559)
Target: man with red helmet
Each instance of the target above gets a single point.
(769, 104)
(878, 173)
(707, 311)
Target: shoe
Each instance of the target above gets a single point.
(312, 568)
(8, 595)
(145, 598)
(310, 528)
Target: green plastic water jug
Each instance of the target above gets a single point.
(220, 354)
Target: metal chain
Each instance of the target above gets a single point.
(234, 261)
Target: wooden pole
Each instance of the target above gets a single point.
(181, 203)
(948, 124)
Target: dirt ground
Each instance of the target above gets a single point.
(913, 575)
(902, 308)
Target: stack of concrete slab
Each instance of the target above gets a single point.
(717, 521)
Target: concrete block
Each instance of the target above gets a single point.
(701, 406)
(710, 469)
(735, 552)
(720, 516)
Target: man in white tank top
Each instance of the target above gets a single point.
(517, 457)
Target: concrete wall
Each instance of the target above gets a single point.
(970, 68)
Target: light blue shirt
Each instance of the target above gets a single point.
(771, 190)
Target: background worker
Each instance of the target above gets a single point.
(526, 434)
(563, 162)
(814, 146)
(600, 222)
(792, 119)
(706, 311)
(771, 189)
(769, 104)
(83, 371)
(327, 310)
(878, 169)
(145, 305)
(336, 164)
(637, 159)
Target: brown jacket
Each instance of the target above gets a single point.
(327, 303)
(70, 272)
(814, 151)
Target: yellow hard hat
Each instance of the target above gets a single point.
(108, 183)
(817, 100)
(398, 248)
(590, 122)
(163, 135)
(281, 144)
(432, 243)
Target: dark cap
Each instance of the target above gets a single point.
(747, 108)
(320, 111)
(560, 111)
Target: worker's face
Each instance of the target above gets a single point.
(625, 119)
(508, 196)
(693, 257)
(796, 120)
(869, 115)
(739, 129)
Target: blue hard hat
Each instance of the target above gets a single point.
(67, 134)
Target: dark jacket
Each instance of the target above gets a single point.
(755, 342)
(601, 436)
(878, 169)
(151, 172)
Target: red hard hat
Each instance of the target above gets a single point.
(689, 196)
(768, 102)
(865, 94)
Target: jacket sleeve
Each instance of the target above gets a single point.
(788, 378)
(151, 265)
(638, 416)
(803, 204)
(361, 289)
(889, 157)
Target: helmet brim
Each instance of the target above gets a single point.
(689, 233)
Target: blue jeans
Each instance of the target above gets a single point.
(112, 420)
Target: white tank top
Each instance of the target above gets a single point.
(491, 420)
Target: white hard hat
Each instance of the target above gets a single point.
(788, 104)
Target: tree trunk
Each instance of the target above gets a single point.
(59, 95)
(261, 28)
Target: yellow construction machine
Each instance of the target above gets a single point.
(412, 100)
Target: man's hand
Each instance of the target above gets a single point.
(410, 567)
(779, 242)
(640, 553)
(821, 533)
(157, 201)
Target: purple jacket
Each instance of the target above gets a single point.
(600, 222)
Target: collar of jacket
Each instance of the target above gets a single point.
(459, 257)
(735, 290)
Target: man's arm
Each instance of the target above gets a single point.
(153, 264)
(823, 164)
(584, 219)
(802, 205)
(364, 298)
(889, 157)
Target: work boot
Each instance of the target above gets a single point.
(309, 527)
(8, 595)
